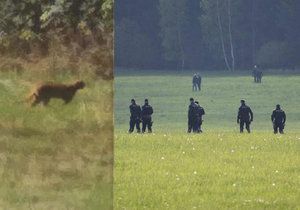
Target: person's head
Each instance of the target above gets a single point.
(255, 66)
(132, 101)
(146, 101)
(278, 106)
(192, 100)
(243, 102)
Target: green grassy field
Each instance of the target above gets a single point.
(219, 169)
(56, 157)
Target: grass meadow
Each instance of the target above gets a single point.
(56, 157)
(219, 169)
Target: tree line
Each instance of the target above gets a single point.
(32, 29)
(207, 34)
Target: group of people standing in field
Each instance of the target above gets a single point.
(195, 117)
(195, 112)
(244, 117)
(197, 79)
(140, 115)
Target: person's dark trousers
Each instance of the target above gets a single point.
(191, 125)
(195, 87)
(242, 123)
(197, 126)
(147, 123)
(278, 126)
(199, 86)
(134, 122)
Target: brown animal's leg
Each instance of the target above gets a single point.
(67, 100)
(46, 101)
(36, 100)
(34, 103)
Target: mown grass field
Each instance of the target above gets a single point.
(219, 169)
(56, 157)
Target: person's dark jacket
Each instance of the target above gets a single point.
(147, 111)
(192, 113)
(245, 114)
(278, 116)
(200, 112)
(135, 111)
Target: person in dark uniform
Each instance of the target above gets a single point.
(245, 116)
(194, 81)
(254, 73)
(135, 117)
(278, 118)
(192, 113)
(259, 75)
(199, 113)
(147, 111)
(199, 80)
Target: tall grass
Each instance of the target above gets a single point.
(56, 157)
(219, 169)
(215, 170)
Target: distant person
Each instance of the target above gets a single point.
(147, 112)
(259, 76)
(195, 82)
(199, 113)
(135, 117)
(245, 116)
(278, 118)
(192, 113)
(199, 80)
(254, 73)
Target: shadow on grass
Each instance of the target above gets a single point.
(26, 132)
(19, 132)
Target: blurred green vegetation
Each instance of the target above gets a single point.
(169, 93)
(60, 156)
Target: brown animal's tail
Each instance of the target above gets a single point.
(28, 99)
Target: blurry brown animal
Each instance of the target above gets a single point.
(44, 92)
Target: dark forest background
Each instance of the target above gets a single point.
(207, 34)
(56, 36)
